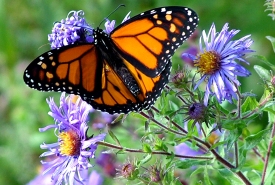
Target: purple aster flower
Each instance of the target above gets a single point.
(217, 62)
(75, 29)
(74, 148)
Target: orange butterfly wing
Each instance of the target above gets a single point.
(71, 69)
(148, 40)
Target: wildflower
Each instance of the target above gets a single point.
(196, 112)
(179, 78)
(217, 62)
(74, 148)
(75, 29)
(156, 173)
(129, 171)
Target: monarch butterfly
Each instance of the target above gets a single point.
(119, 72)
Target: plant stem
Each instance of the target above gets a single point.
(182, 133)
(161, 125)
(236, 154)
(268, 153)
(207, 145)
(153, 152)
(258, 154)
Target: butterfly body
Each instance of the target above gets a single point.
(119, 72)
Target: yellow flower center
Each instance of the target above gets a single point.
(208, 62)
(70, 143)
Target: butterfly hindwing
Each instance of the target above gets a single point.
(149, 39)
(120, 100)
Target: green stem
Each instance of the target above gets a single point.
(268, 153)
(236, 154)
(153, 152)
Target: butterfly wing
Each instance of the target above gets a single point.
(148, 40)
(117, 98)
(74, 69)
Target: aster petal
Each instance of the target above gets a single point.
(188, 55)
(93, 140)
(47, 128)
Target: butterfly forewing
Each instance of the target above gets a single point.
(75, 69)
(149, 40)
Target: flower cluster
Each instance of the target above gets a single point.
(75, 29)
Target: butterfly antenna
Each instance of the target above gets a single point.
(111, 13)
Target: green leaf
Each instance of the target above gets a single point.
(264, 60)
(271, 113)
(230, 176)
(233, 136)
(187, 163)
(146, 148)
(199, 170)
(147, 158)
(217, 144)
(206, 177)
(263, 73)
(113, 136)
(121, 117)
(254, 140)
(254, 176)
(272, 40)
(160, 145)
(233, 124)
(250, 103)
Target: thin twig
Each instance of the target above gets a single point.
(153, 152)
(236, 152)
(268, 153)
(257, 153)
(182, 133)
